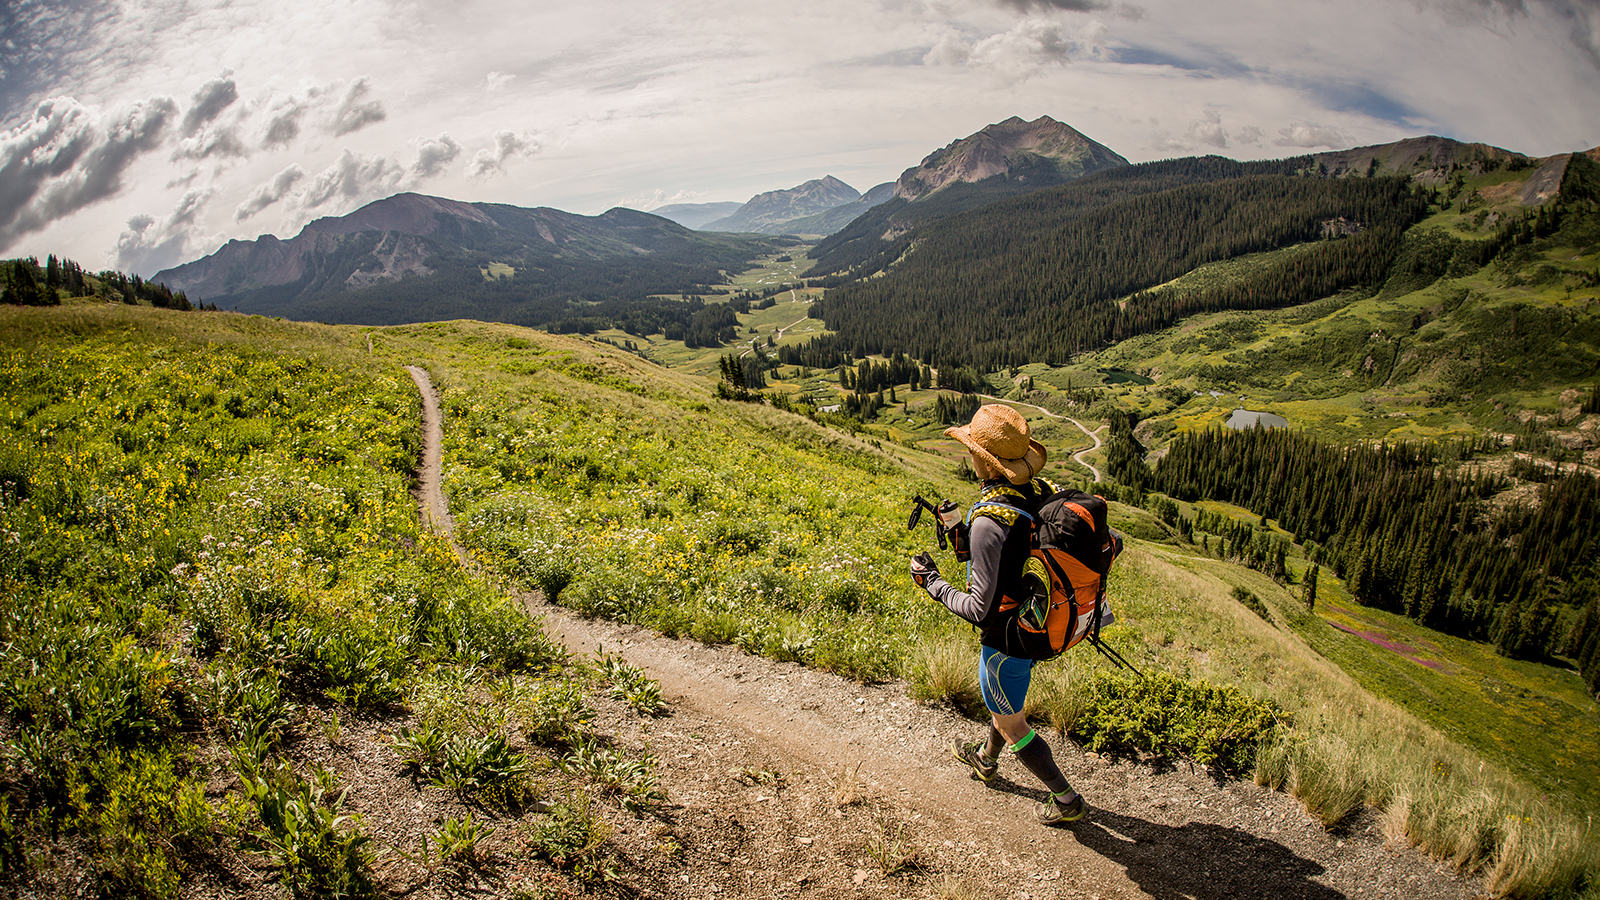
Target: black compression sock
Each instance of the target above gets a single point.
(996, 743)
(1034, 753)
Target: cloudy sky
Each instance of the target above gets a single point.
(144, 133)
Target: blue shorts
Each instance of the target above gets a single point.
(1004, 681)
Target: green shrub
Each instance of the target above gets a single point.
(1251, 602)
(712, 626)
(1171, 716)
(790, 640)
(858, 648)
(603, 595)
(491, 631)
(148, 823)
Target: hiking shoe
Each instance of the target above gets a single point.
(1061, 810)
(972, 755)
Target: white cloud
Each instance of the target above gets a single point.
(658, 198)
(355, 111)
(269, 193)
(1126, 10)
(613, 99)
(353, 179)
(69, 156)
(1306, 135)
(434, 155)
(149, 245)
(208, 102)
(338, 108)
(1032, 46)
(1208, 130)
(491, 161)
(283, 123)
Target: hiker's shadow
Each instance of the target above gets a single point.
(1201, 861)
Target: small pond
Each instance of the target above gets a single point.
(1245, 418)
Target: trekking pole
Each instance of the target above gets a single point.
(1111, 654)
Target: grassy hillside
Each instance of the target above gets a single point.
(212, 570)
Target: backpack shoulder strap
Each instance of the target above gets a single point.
(1003, 503)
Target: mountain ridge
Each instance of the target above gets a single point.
(774, 209)
(331, 268)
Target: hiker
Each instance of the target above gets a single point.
(1007, 461)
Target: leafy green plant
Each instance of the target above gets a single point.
(247, 703)
(630, 684)
(319, 849)
(460, 762)
(460, 839)
(474, 763)
(575, 840)
(630, 778)
(422, 749)
(555, 714)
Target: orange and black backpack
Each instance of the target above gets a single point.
(1059, 599)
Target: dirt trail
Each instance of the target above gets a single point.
(753, 752)
(1092, 435)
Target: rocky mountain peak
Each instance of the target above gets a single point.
(1008, 148)
(773, 208)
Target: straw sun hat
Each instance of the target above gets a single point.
(999, 436)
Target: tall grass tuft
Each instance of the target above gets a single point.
(1326, 775)
(946, 671)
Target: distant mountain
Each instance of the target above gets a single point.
(1429, 158)
(1036, 154)
(1042, 276)
(695, 215)
(411, 258)
(1002, 160)
(770, 213)
(840, 216)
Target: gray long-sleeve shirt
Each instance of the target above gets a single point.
(985, 538)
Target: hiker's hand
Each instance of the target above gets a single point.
(922, 568)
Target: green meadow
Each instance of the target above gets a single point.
(211, 558)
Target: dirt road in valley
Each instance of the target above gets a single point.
(1077, 457)
(757, 757)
